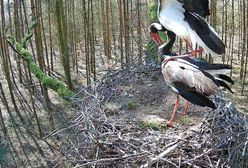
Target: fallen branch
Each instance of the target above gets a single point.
(95, 161)
(52, 83)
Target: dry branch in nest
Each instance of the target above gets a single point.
(96, 139)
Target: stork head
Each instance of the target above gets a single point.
(153, 29)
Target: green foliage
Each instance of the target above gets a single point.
(163, 36)
(186, 120)
(151, 47)
(152, 5)
(132, 104)
(155, 125)
(151, 55)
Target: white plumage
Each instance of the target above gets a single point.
(171, 15)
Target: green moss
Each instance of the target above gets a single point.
(155, 125)
(186, 120)
(65, 92)
(132, 104)
(48, 81)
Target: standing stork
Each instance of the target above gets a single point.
(194, 80)
(218, 71)
(185, 19)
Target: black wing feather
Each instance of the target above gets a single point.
(204, 65)
(201, 7)
(226, 78)
(198, 24)
(192, 96)
(223, 84)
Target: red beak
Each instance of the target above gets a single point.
(156, 38)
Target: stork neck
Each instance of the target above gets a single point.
(165, 49)
(174, 58)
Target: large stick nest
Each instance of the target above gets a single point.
(100, 137)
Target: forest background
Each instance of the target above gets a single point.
(57, 55)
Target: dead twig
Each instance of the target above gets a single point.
(104, 160)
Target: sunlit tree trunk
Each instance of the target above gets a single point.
(40, 54)
(108, 33)
(244, 39)
(232, 37)
(245, 47)
(121, 33)
(126, 31)
(139, 33)
(50, 35)
(17, 34)
(63, 40)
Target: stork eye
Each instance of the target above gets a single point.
(183, 68)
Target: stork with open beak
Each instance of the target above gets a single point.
(185, 19)
(154, 28)
(215, 72)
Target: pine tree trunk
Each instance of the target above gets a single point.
(63, 40)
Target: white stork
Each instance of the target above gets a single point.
(185, 19)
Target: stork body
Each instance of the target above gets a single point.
(185, 19)
(190, 82)
(193, 80)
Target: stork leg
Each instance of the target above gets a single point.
(186, 108)
(170, 124)
(194, 52)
